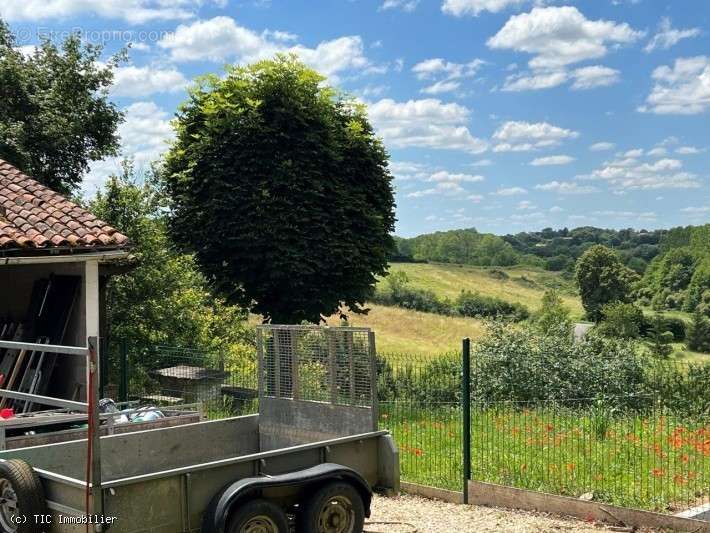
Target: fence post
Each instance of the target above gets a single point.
(103, 367)
(466, 412)
(123, 384)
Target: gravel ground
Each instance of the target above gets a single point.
(433, 516)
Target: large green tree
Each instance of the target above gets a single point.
(55, 116)
(603, 279)
(282, 190)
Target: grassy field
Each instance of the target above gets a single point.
(403, 331)
(514, 284)
(646, 462)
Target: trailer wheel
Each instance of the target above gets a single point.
(335, 508)
(258, 516)
(21, 495)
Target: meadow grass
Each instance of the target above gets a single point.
(648, 462)
(404, 331)
(513, 284)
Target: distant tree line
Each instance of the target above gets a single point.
(463, 246)
(559, 249)
(555, 250)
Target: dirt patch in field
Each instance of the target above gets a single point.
(433, 516)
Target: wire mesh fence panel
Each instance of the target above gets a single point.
(171, 375)
(328, 364)
(420, 403)
(634, 433)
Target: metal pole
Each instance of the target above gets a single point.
(97, 507)
(123, 384)
(103, 369)
(466, 410)
(373, 381)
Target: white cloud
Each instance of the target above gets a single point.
(443, 86)
(145, 132)
(517, 136)
(510, 191)
(658, 151)
(628, 174)
(374, 90)
(602, 146)
(444, 188)
(132, 11)
(552, 160)
(594, 76)
(445, 183)
(668, 36)
(221, 38)
(408, 170)
(427, 123)
(610, 213)
(696, 210)
(438, 67)
(137, 82)
(560, 36)
(632, 154)
(525, 204)
(27, 50)
(448, 75)
(216, 39)
(555, 209)
(481, 163)
(144, 137)
(459, 8)
(681, 89)
(535, 81)
(404, 5)
(689, 150)
(279, 35)
(566, 187)
(475, 198)
(443, 176)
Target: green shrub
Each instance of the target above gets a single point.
(676, 326)
(522, 365)
(621, 320)
(553, 316)
(699, 335)
(682, 390)
(474, 304)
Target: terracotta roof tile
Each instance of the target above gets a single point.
(35, 217)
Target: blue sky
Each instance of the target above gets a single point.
(504, 115)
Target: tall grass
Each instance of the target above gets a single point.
(651, 461)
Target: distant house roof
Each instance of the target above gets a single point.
(35, 218)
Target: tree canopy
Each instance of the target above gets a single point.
(282, 190)
(55, 116)
(602, 279)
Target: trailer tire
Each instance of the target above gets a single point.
(337, 506)
(254, 513)
(21, 494)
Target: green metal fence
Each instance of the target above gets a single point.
(641, 440)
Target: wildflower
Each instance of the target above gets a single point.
(658, 472)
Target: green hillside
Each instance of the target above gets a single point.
(524, 285)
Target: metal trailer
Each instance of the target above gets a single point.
(309, 461)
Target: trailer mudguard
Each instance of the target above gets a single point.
(215, 518)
